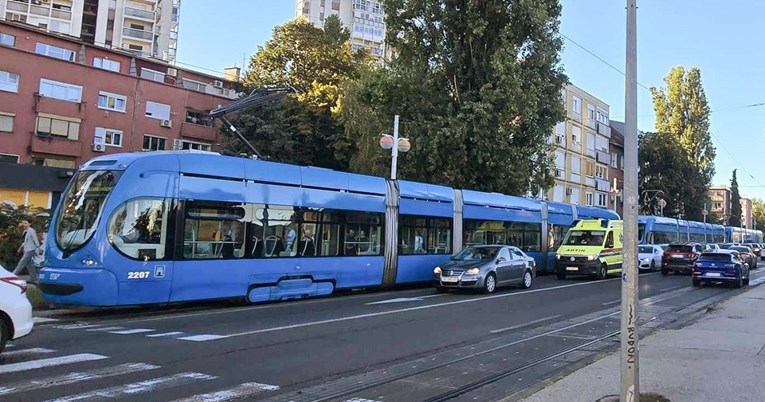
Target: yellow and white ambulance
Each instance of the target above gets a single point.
(592, 247)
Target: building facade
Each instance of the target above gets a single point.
(721, 200)
(616, 171)
(747, 218)
(32, 186)
(364, 18)
(63, 101)
(146, 27)
(582, 155)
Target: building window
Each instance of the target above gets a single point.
(159, 111)
(152, 75)
(194, 85)
(613, 160)
(9, 158)
(199, 146)
(58, 163)
(602, 199)
(601, 172)
(591, 143)
(7, 40)
(106, 64)
(589, 198)
(602, 116)
(9, 82)
(58, 126)
(60, 90)
(576, 165)
(152, 143)
(574, 197)
(576, 135)
(6, 122)
(590, 113)
(576, 104)
(136, 47)
(200, 118)
(111, 101)
(108, 136)
(54, 51)
(558, 195)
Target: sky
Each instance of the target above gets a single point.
(724, 42)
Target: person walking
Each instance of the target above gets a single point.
(29, 247)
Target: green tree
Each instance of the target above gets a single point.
(302, 128)
(682, 116)
(758, 212)
(477, 85)
(735, 202)
(11, 233)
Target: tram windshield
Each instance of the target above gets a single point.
(81, 206)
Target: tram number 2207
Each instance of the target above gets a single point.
(138, 275)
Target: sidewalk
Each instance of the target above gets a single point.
(719, 358)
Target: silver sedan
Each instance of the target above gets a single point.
(485, 267)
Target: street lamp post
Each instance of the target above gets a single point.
(662, 204)
(401, 145)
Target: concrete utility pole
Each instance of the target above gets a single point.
(630, 376)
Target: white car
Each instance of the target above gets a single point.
(15, 310)
(649, 256)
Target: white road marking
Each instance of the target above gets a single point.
(33, 351)
(396, 300)
(40, 320)
(405, 310)
(54, 361)
(360, 400)
(138, 387)
(76, 326)
(74, 377)
(203, 338)
(164, 334)
(105, 329)
(526, 324)
(132, 331)
(671, 288)
(245, 390)
(612, 302)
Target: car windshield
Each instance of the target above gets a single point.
(585, 238)
(740, 249)
(679, 248)
(714, 257)
(476, 254)
(645, 250)
(81, 206)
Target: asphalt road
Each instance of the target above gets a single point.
(409, 345)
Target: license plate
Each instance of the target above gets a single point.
(713, 274)
(677, 256)
(572, 269)
(450, 279)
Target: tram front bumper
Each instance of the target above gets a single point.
(81, 287)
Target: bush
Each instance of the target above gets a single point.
(11, 232)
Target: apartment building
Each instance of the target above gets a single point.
(148, 28)
(582, 155)
(364, 18)
(616, 171)
(721, 200)
(63, 101)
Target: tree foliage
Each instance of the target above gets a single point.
(302, 128)
(758, 212)
(11, 232)
(477, 85)
(735, 202)
(682, 121)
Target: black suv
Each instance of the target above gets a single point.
(680, 257)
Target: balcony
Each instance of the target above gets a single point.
(131, 12)
(602, 185)
(604, 129)
(39, 10)
(592, 123)
(577, 117)
(18, 6)
(199, 132)
(61, 14)
(138, 34)
(603, 157)
(53, 145)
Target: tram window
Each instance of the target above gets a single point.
(424, 235)
(555, 235)
(363, 234)
(275, 231)
(526, 236)
(214, 230)
(484, 232)
(138, 229)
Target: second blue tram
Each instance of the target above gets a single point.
(173, 226)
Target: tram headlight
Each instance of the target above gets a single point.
(437, 271)
(473, 271)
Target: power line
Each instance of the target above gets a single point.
(649, 90)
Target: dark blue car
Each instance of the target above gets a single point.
(721, 266)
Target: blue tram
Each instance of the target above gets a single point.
(741, 235)
(172, 226)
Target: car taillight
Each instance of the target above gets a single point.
(22, 284)
(694, 256)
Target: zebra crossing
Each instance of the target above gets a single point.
(147, 332)
(135, 379)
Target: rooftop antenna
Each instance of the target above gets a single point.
(258, 97)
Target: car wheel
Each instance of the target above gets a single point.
(490, 284)
(602, 272)
(4, 334)
(560, 275)
(740, 280)
(653, 265)
(527, 279)
(746, 281)
(441, 289)
(696, 282)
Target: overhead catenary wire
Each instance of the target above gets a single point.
(740, 165)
